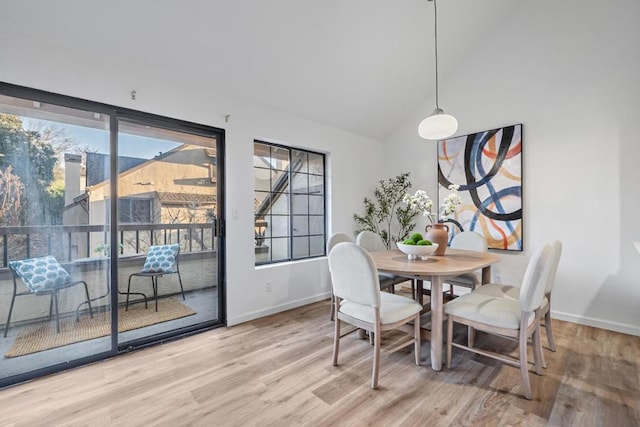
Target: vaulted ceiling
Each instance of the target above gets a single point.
(359, 65)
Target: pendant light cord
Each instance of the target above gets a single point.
(435, 37)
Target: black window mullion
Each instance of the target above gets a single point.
(290, 193)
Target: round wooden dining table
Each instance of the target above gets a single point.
(435, 269)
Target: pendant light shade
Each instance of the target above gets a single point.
(438, 125)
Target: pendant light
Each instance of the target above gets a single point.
(438, 125)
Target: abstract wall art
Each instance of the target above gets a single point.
(488, 168)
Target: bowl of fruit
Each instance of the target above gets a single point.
(417, 247)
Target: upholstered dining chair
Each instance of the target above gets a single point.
(371, 242)
(360, 303)
(506, 317)
(334, 239)
(42, 276)
(513, 292)
(160, 260)
(469, 240)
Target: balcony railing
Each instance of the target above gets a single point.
(71, 242)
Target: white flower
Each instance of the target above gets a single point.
(451, 202)
(419, 202)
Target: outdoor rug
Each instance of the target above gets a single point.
(44, 337)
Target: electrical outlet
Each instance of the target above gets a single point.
(267, 286)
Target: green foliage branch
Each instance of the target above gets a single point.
(386, 214)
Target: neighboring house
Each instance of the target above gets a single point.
(178, 186)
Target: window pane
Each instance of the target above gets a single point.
(279, 180)
(279, 158)
(300, 163)
(280, 203)
(165, 176)
(279, 225)
(316, 205)
(300, 183)
(300, 225)
(300, 247)
(279, 249)
(316, 225)
(300, 204)
(261, 155)
(45, 207)
(317, 245)
(262, 179)
(259, 200)
(316, 184)
(261, 230)
(316, 164)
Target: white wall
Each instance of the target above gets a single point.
(354, 163)
(569, 72)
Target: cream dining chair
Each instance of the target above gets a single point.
(469, 240)
(506, 317)
(372, 242)
(513, 292)
(360, 303)
(334, 239)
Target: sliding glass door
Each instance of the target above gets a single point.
(109, 237)
(51, 269)
(167, 216)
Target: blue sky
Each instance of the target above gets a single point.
(98, 140)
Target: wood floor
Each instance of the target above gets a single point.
(277, 371)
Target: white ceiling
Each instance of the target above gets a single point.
(359, 65)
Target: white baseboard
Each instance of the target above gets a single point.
(581, 320)
(278, 308)
(597, 323)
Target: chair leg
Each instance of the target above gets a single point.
(537, 349)
(86, 291)
(154, 283)
(449, 339)
(332, 307)
(126, 306)
(471, 336)
(547, 326)
(524, 367)
(416, 338)
(55, 297)
(181, 288)
(6, 327)
(336, 341)
(50, 307)
(376, 359)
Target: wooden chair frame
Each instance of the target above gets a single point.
(376, 329)
(527, 330)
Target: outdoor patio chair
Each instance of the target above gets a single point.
(42, 276)
(160, 260)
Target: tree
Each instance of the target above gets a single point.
(31, 155)
(386, 215)
(10, 197)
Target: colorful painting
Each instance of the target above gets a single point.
(488, 167)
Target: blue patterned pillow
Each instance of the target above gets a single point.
(161, 259)
(40, 274)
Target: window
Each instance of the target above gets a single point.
(134, 211)
(289, 203)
